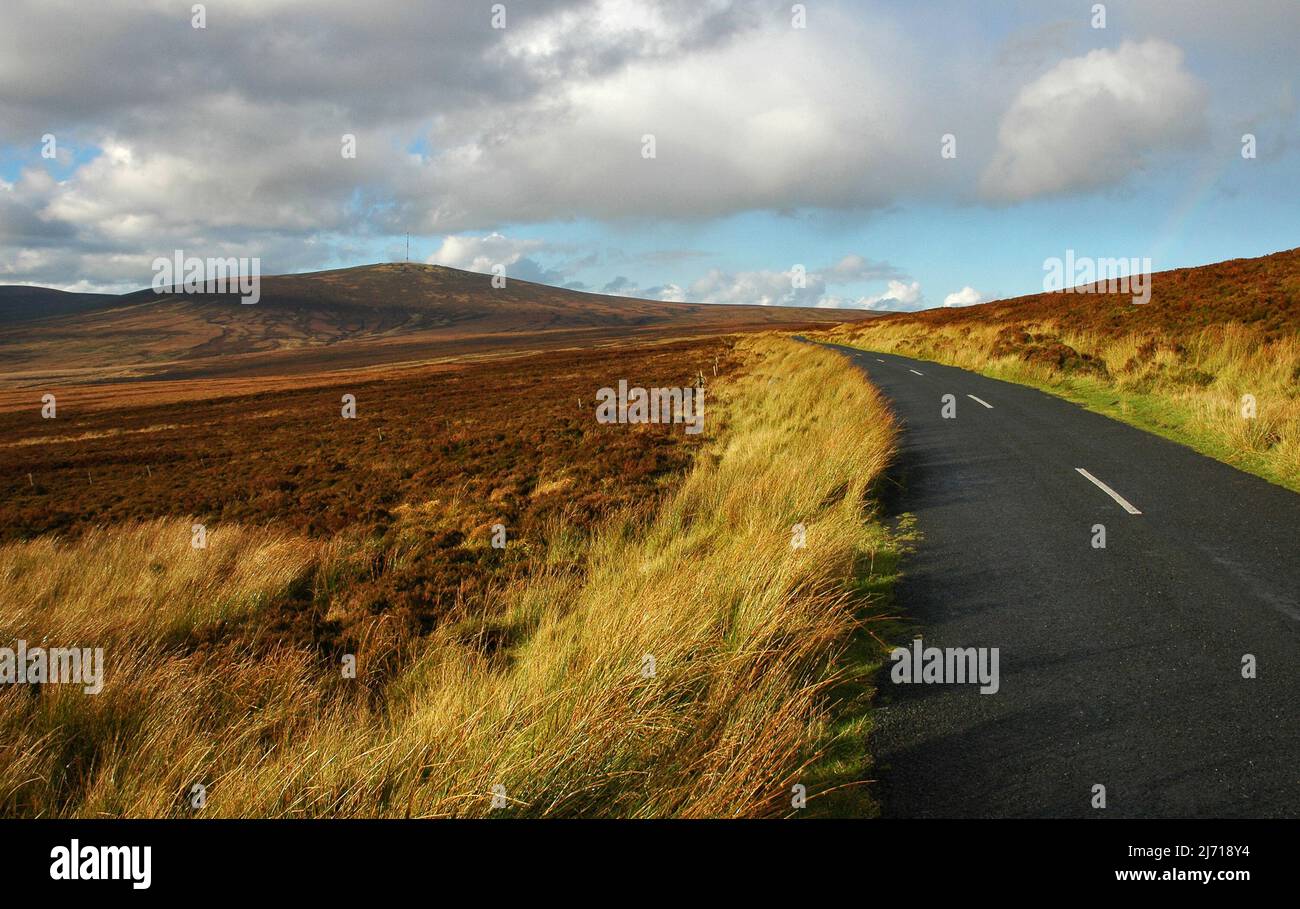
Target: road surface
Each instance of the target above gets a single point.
(1119, 667)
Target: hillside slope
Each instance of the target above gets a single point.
(25, 303)
(1212, 361)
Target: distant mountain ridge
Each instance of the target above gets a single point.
(341, 319)
(25, 302)
(439, 294)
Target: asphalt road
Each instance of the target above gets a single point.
(1119, 667)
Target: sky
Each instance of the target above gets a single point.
(887, 155)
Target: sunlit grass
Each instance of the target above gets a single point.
(696, 664)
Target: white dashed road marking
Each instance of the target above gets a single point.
(918, 373)
(1124, 503)
(981, 401)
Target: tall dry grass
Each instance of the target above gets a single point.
(685, 671)
(1189, 386)
(147, 582)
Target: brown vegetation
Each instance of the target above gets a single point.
(1180, 365)
(514, 440)
(428, 465)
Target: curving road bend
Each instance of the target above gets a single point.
(1119, 667)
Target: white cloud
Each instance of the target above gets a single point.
(671, 293)
(807, 288)
(760, 288)
(481, 253)
(732, 132)
(1091, 121)
(622, 286)
(967, 296)
(515, 255)
(898, 296)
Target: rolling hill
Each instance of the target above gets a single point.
(1262, 293)
(352, 318)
